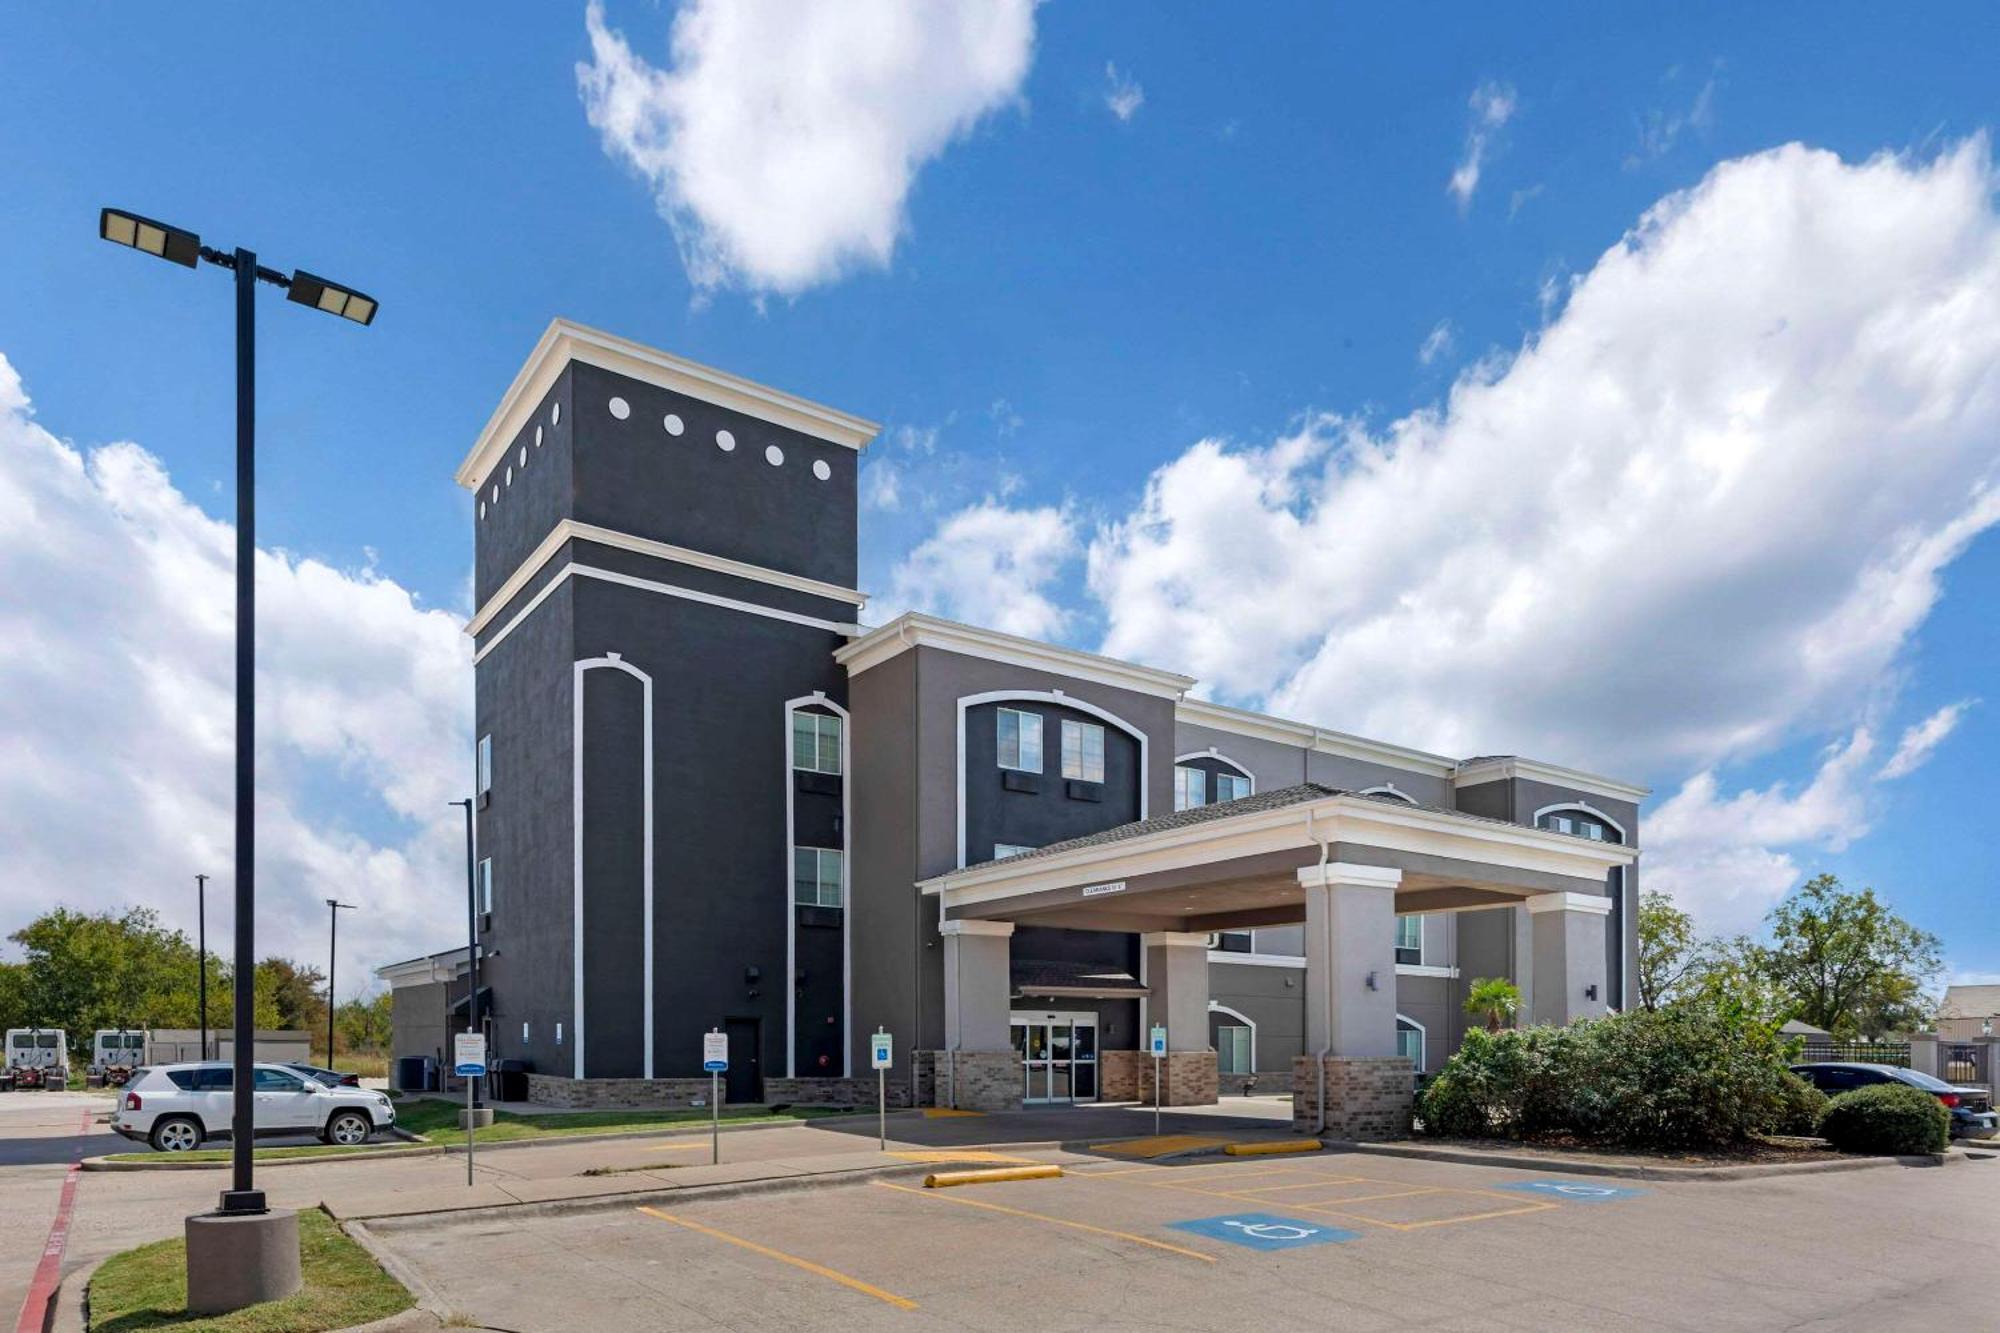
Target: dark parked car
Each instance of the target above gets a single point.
(1971, 1109)
(332, 1078)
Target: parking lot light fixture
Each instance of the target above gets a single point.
(172, 244)
(334, 299)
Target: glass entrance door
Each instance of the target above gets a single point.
(1058, 1055)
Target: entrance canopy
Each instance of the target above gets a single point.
(1235, 865)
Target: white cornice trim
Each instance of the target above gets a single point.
(423, 971)
(1593, 904)
(915, 629)
(1174, 939)
(564, 341)
(1342, 875)
(1513, 766)
(569, 529)
(569, 571)
(1341, 818)
(1242, 722)
(1001, 929)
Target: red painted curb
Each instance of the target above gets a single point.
(48, 1273)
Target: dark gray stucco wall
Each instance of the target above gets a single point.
(898, 973)
(1273, 998)
(1054, 810)
(519, 513)
(523, 701)
(634, 477)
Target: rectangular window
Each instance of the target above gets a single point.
(524, 1032)
(486, 884)
(1409, 939)
(1003, 850)
(1020, 740)
(816, 743)
(818, 876)
(1410, 1045)
(485, 764)
(1082, 751)
(1234, 941)
(1232, 1050)
(1231, 787)
(1190, 788)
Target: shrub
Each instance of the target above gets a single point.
(1886, 1118)
(1688, 1076)
(1800, 1105)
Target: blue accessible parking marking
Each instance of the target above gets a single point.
(1575, 1190)
(1262, 1231)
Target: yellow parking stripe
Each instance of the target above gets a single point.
(1044, 1217)
(944, 1157)
(855, 1284)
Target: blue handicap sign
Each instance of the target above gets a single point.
(1577, 1191)
(470, 1071)
(715, 1066)
(1263, 1231)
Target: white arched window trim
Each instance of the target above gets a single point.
(1423, 1040)
(1212, 753)
(818, 699)
(615, 662)
(1243, 1018)
(1586, 808)
(1387, 789)
(1059, 698)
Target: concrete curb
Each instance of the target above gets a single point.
(66, 1310)
(1582, 1166)
(430, 1307)
(389, 1222)
(421, 1147)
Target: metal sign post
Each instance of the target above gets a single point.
(715, 1059)
(1159, 1047)
(468, 1055)
(881, 1053)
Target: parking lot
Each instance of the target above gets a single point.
(1345, 1240)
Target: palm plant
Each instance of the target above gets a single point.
(1494, 999)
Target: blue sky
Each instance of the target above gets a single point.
(1069, 300)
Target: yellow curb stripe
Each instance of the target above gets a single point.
(938, 1180)
(1044, 1217)
(1275, 1146)
(944, 1157)
(854, 1284)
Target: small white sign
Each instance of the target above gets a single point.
(1098, 890)
(1158, 1045)
(715, 1052)
(468, 1054)
(881, 1051)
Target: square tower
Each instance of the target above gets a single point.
(664, 564)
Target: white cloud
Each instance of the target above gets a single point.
(881, 485)
(783, 140)
(1700, 513)
(116, 699)
(1660, 130)
(1122, 94)
(1492, 106)
(993, 566)
(1918, 742)
(1436, 343)
(1730, 859)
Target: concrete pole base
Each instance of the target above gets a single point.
(478, 1118)
(234, 1260)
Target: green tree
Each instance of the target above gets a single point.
(1494, 999)
(84, 971)
(363, 1025)
(1672, 957)
(1846, 960)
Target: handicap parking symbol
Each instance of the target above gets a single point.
(1576, 1191)
(1262, 1231)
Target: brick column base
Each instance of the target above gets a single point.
(1118, 1075)
(1191, 1078)
(1366, 1098)
(979, 1080)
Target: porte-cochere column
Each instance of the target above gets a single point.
(1351, 1007)
(981, 1072)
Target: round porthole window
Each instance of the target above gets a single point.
(482, 509)
(821, 470)
(620, 408)
(510, 476)
(538, 437)
(673, 424)
(555, 414)
(495, 497)
(522, 461)
(774, 455)
(724, 441)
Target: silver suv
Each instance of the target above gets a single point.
(176, 1107)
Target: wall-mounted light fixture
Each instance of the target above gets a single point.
(1371, 981)
(1590, 991)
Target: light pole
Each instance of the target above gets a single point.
(334, 907)
(201, 945)
(257, 1276)
(471, 945)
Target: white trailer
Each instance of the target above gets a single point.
(36, 1058)
(115, 1053)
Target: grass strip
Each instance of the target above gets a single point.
(344, 1286)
